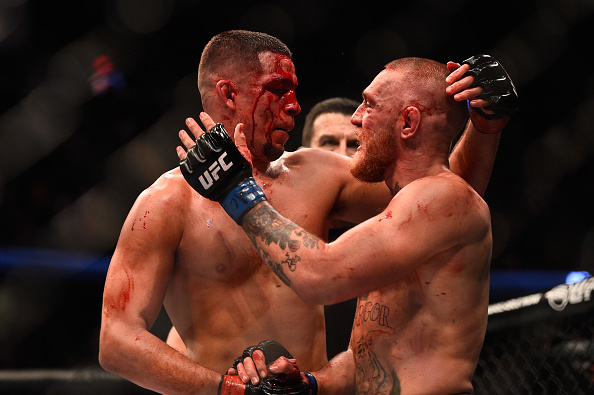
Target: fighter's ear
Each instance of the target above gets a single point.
(227, 92)
(411, 117)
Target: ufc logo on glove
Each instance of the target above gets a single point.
(213, 170)
(223, 177)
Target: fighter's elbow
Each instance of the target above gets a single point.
(108, 353)
(309, 297)
(106, 358)
(316, 292)
(319, 298)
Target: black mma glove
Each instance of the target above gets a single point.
(215, 168)
(497, 87)
(280, 384)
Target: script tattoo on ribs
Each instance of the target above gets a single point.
(265, 226)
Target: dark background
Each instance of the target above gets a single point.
(74, 154)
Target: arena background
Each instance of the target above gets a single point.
(93, 93)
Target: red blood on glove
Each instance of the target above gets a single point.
(232, 385)
(291, 383)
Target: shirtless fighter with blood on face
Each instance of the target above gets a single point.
(420, 267)
(193, 259)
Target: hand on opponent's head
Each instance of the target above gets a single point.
(461, 85)
(216, 169)
(188, 142)
(490, 92)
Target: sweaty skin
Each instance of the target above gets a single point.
(431, 296)
(420, 267)
(182, 251)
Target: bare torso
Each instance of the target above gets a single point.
(423, 333)
(222, 297)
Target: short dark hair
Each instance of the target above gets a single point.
(237, 50)
(339, 105)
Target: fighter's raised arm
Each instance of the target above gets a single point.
(492, 99)
(426, 256)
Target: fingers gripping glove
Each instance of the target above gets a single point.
(497, 88)
(215, 168)
(280, 384)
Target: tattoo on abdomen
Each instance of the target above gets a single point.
(266, 225)
(371, 375)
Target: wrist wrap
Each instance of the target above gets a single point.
(487, 125)
(242, 198)
(313, 383)
(215, 168)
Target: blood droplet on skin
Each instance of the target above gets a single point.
(387, 216)
(140, 219)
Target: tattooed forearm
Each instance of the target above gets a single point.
(266, 227)
(276, 267)
(269, 226)
(309, 241)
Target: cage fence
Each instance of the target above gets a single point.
(540, 344)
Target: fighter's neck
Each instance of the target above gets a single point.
(267, 169)
(405, 172)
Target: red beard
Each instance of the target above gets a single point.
(376, 155)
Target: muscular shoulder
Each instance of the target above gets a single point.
(319, 159)
(354, 200)
(154, 226)
(167, 199)
(169, 189)
(317, 167)
(445, 188)
(448, 199)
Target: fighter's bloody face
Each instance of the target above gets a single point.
(269, 106)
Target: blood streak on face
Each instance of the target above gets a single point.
(431, 110)
(275, 105)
